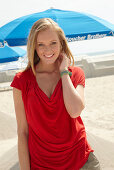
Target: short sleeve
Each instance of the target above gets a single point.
(78, 76)
(81, 77)
(17, 81)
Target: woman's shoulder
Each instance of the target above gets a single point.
(78, 76)
(21, 78)
(76, 70)
(23, 73)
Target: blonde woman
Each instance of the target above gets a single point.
(49, 98)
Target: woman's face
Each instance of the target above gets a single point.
(48, 46)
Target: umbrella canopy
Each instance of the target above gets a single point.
(76, 25)
(8, 54)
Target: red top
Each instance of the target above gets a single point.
(56, 141)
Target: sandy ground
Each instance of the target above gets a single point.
(98, 115)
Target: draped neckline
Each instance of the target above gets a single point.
(43, 93)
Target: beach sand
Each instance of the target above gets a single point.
(98, 117)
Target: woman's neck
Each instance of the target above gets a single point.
(46, 68)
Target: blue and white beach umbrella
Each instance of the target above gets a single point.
(76, 25)
(8, 54)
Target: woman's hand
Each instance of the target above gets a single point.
(63, 62)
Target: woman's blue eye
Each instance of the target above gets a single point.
(53, 43)
(40, 45)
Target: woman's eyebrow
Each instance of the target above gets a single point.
(44, 42)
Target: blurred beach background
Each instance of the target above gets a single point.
(96, 57)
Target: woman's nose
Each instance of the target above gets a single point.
(48, 49)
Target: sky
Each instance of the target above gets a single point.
(12, 9)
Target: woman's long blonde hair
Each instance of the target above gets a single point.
(40, 25)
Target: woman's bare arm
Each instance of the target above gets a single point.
(22, 131)
(73, 98)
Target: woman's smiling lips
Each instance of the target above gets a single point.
(49, 56)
